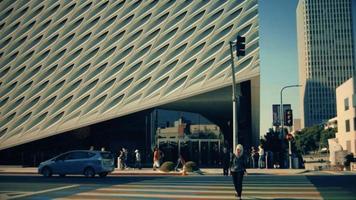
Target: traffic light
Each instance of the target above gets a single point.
(288, 117)
(240, 46)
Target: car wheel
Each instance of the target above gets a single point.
(46, 172)
(89, 172)
(103, 174)
(62, 175)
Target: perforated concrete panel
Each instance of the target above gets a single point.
(68, 64)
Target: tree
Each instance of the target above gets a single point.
(313, 138)
(271, 141)
(325, 135)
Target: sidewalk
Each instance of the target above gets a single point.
(148, 171)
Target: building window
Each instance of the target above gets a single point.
(348, 145)
(355, 124)
(347, 124)
(346, 103)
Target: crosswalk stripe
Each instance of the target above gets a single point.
(42, 191)
(141, 191)
(119, 190)
(87, 195)
(299, 188)
(214, 185)
(229, 184)
(231, 187)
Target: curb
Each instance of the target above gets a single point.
(160, 173)
(18, 173)
(111, 174)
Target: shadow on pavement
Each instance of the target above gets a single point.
(335, 187)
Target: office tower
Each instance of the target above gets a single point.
(326, 55)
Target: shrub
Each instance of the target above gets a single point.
(191, 166)
(348, 159)
(167, 166)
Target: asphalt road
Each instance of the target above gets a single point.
(177, 187)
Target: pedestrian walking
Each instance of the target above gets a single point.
(120, 160)
(137, 159)
(253, 156)
(156, 158)
(226, 157)
(261, 153)
(180, 161)
(238, 169)
(124, 159)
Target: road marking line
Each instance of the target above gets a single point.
(111, 190)
(279, 185)
(209, 188)
(43, 191)
(231, 186)
(12, 191)
(333, 172)
(184, 196)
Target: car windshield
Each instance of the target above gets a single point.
(106, 155)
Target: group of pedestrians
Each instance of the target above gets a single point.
(122, 162)
(257, 157)
(158, 158)
(123, 158)
(236, 162)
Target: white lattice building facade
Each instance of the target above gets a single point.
(70, 64)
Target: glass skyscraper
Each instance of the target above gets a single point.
(326, 55)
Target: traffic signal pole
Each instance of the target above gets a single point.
(288, 121)
(281, 114)
(234, 101)
(290, 153)
(240, 51)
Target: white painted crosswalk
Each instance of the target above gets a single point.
(180, 187)
(219, 188)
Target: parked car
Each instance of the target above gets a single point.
(83, 162)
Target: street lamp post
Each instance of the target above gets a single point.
(281, 114)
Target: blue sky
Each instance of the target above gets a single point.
(279, 64)
(279, 56)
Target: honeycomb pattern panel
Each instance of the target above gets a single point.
(67, 64)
